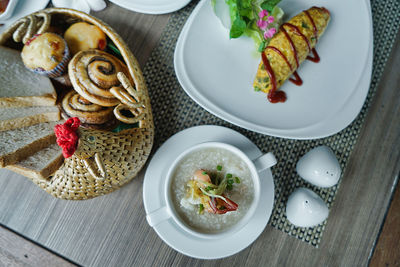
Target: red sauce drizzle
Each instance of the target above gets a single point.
(281, 54)
(291, 44)
(299, 33)
(313, 24)
(315, 58)
(297, 80)
(275, 96)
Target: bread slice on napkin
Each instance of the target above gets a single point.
(12, 118)
(18, 144)
(41, 164)
(21, 87)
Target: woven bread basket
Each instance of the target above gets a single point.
(123, 154)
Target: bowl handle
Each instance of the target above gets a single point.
(158, 216)
(265, 161)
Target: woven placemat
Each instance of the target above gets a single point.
(174, 111)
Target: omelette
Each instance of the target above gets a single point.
(290, 46)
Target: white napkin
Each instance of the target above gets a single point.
(82, 5)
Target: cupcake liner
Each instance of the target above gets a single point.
(60, 69)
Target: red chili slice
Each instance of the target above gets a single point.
(229, 204)
(219, 206)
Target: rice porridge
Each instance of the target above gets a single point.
(207, 160)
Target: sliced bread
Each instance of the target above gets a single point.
(12, 118)
(21, 143)
(21, 87)
(41, 164)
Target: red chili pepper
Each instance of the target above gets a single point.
(219, 206)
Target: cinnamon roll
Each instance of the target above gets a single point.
(93, 73)
(74, 105)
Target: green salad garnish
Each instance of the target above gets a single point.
(259, 19)
(201, 208)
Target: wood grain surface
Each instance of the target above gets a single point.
(112, 230)
(141, 32)
(17, 251)
(387, 250)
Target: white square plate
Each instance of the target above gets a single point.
(218, 73)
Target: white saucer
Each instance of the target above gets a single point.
(152, 6)
(169, 231)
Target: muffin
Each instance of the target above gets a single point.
(46, 54)
(83, 36)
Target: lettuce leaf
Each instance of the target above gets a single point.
(238, 28)
(243, 17)
(269, 5)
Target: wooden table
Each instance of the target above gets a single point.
(112, 231)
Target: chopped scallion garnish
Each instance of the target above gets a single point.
(237, 180)
(219, 167)
(228, 175)
(201, 208)
(204, 173)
